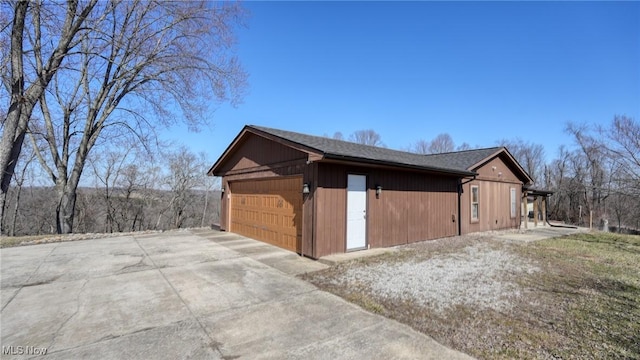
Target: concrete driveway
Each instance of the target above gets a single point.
(181, 294)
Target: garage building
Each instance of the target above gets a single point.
(319, 196)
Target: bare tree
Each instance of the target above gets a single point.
(595, 168)
(366, 137)
(621, 144)
(420, 147)
(141, 60)
(441, 144)
(108, 170)
(338, 135)
(61, 27)
(530, 155)
(601, 174)
(209, 183)
(187, 173)
(623, 147)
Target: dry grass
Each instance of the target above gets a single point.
(11, 241)
(584, 302)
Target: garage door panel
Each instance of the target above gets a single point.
(268, 210)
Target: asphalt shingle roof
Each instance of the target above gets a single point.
(455, 162)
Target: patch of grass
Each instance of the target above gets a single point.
(365, 302)
(595, 282)
(583, 303)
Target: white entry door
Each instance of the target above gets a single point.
(356, 212)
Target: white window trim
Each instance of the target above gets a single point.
(513, 203)
(477, 203)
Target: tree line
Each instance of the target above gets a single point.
(128, 191)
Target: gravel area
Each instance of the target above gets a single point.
(478, 275)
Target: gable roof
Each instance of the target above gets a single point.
(474, 159)
(457, 163)
(345, 150)
(465, 159)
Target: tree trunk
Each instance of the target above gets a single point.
(3, 198)
(16, 206)
(65, 211)
(204, 211)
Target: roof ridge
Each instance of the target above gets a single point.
(467, 150)
(265, 128)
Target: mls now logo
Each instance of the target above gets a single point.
(23, 350)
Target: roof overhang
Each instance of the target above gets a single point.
(537, 192)
(336, 158)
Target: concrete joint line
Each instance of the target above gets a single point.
(30, 277)
(204, 329)
(263, 303)
(361, 330)
(55, 335)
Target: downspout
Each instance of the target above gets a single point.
(460, 183)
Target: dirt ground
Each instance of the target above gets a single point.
(575, 296)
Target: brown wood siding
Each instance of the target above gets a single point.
(412, 207)
(501, 172)
(255, 151)
(494, 205)
(268, 210)
(330, 226)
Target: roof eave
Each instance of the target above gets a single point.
(398, 165)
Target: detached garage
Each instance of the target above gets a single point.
(319, 196)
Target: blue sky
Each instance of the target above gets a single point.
(480, 71)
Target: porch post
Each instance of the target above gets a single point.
(535, 211)
(526, 210)
(544, 210)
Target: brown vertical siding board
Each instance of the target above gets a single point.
(255, 151)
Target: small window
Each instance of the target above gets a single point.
(475, 199)
(513, 203)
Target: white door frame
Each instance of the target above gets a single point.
(356, 219)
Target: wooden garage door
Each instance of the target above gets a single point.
(268, 210)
